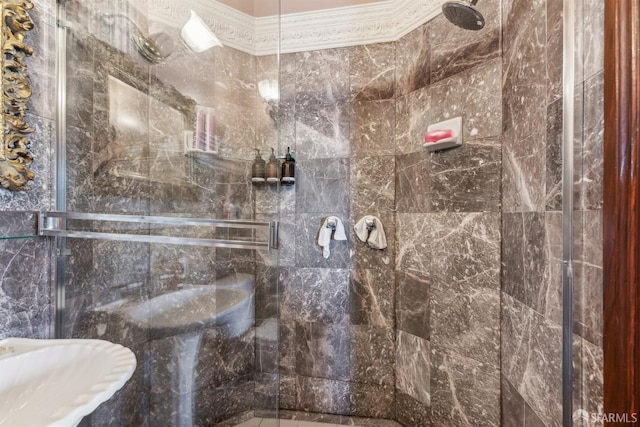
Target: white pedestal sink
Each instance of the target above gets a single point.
(56, 383)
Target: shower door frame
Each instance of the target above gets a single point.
(621, 251)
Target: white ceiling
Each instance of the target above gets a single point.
(260, 8)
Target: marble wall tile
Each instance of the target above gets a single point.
(317, 295)
(464, 392)
(592, 148)
(267, 291)
(466, 179)
(372, 128)
(322, 185)
(588, 376)
(322, 77)
(322, 131)
(531, 260)
(309, 254)
(324, 395)
(413, 304)
(80, 175)
(215, 405)
(523, 177)
(25, 295)
(524, 63)
(454, 50)
(413, 182)
(413, 116)
(553, 182)
(372, 71)
(474, 95)
(527, 336)
(372, 184)
(465, 248)
(80, 80)
(287, 347)
(466, 320)
(413, 54)
(18, 223)
(588, 279)
(371, 400)
(372, 298)
(554, 50)
(512, 405)
(323, 350)
(411, 412)
(373, 356)
(413, 367)
(365, 257)
(413, 253)
(593, 34)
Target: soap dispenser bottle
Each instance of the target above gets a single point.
(273, 168)
(258, 169)
(288, 169)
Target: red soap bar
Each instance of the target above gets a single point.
(437, 135)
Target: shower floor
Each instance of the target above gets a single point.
(270, 422)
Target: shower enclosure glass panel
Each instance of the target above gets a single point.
(153, 123)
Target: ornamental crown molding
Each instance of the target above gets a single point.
(379, 22)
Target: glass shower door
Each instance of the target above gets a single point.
(158, 135)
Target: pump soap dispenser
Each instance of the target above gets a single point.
(258, 169)
(273, 168)
(288, 169)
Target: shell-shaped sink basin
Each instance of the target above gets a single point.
(57, 382)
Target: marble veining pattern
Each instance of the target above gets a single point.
(413, 367)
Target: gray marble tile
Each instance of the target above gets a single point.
(372, 187)
(322, 186)
(413, 61)
(215, 405)
(532, 260)
(372, 299)
(413, 182)
(466, 179)
(413, 248)
(413, 116)
(317, 295)
(466, 319)
(322, 77)
(588, 376)
(25, 294)
(465, 248)
(322, 131)
(588, 305)
(475, 95)
(553, 182)
(323, 395)
(372, 128)
(373, 356)
(309, 254)
(234, 358)
(593, 37)
(554, 50)
(323, 350)
(523, 176)
(413, 367)
(371, 400)
(267, 294)
(365, 257)
(527, 336)
(287, 346)
(524, 64)
(593, 170)
(372, 71)
(80, 172)
(464, 392)
(410, 412)
(454, 50)
(80, 80)
(412, 304)
(512, 405)
(18, 224)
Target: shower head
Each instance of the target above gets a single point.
(463, 14)
(155, 48)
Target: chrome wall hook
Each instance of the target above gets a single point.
(370, 223)
(332, 223)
